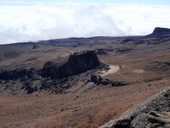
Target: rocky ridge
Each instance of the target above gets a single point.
(75, 64)
(52, 77)
(99, 80)
(159, 32)
(154, 113)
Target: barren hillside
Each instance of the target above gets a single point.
(80, 82)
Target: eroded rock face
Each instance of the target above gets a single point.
(53, 77)
(161, 31)
(75, 64)
(158, 32)
(151, 120)
(153, 114)
(98, 80)
(16, 74)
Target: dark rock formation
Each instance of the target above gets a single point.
(122, 50)
(153, 114)
(103, 51)
(35, 46)
(151, 120)
(53, 77)
(158, 32)
(161, 31)
(125, 123)
(97, 79)
(128, 40)
(15, 74)
(75, 64)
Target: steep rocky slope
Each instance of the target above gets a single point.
(52, 77)
(155, 113)
(75, 64)
(158, 32)
(85, 98)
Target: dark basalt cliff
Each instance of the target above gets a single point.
(12, 74)
(75, 64)
(72, 65)
(158, 32)
(52, 77)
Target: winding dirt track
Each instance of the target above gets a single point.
(113, 69)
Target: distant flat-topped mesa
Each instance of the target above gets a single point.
(74, 64)
(158, 31)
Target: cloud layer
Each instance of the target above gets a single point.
(45, 21)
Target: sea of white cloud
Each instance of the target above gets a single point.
(32, 22)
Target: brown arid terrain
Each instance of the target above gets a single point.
(87, 93)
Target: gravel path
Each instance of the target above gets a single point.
(113, 69)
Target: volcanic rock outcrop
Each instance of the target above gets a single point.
(75, 64)
(155, 113)
(52, 77)
(158, 32)
(98, 80)
(16, 74)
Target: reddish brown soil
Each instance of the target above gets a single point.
(88, 109)
(85, 106)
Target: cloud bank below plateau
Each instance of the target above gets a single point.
(41, 21)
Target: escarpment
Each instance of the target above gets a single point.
(55, 76)
(75, 64)
(159, 32)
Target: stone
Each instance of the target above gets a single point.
(158, 32)
(74, 65)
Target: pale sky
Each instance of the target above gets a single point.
(153, 2)
(32, 20)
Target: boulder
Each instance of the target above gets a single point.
(155, 113)
(97, 79)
